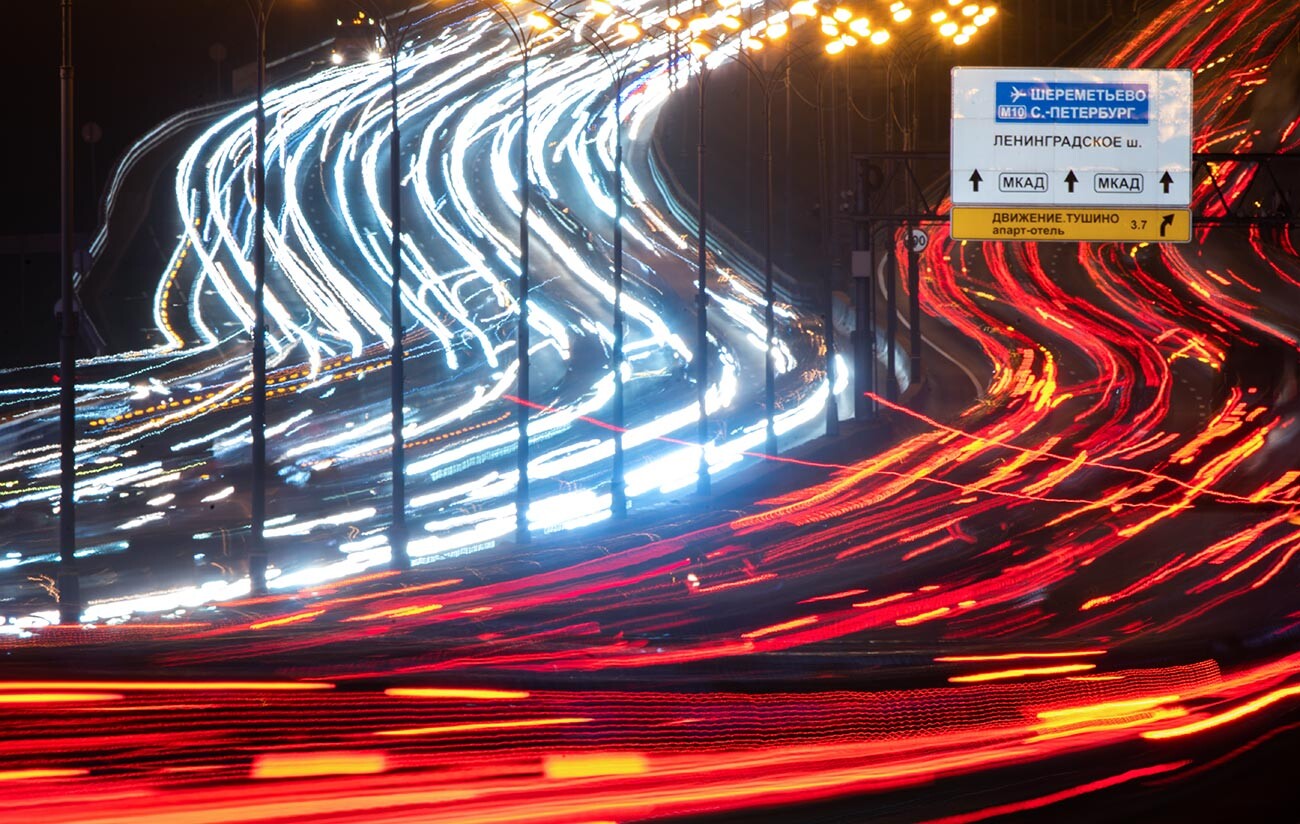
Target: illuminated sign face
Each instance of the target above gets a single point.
(1072, 138)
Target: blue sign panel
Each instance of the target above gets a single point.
(1113, 104)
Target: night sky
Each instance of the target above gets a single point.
(136, 62)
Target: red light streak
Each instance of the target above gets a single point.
(1063, 795)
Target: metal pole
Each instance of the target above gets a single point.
(702, 484)
(257, 547)
(914, 307)
(769, 292)
(913, 265)
(828, 321)
(522, 535)
(618, 491)
(69, 581)
(891, 328)
(397, 536)
(788, 192)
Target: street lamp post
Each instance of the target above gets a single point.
(523, 29)
(394, 26)
(69, 581)
(617, 52)
(261, 12)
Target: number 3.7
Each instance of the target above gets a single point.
(1137, 224)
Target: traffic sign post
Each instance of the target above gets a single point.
(1035, 150)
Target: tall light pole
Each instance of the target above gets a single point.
(69, 310)
(261, 12)
(523, 27)
(700, 47)
(616, 49)
(394, 26)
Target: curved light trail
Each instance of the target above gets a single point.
(1099, 556)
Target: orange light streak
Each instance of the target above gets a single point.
(798, 622)
(397, 612)
(482, 726)
(57, 697)
(456, 693)
(1019, 673)
(1017, 656)
(25, 775)
(208, 686)
(288, 619)
(912, 620)
(1224, 717)
(897, 596)
(590, 765)
(295, 764)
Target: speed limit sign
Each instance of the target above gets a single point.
(916, 240)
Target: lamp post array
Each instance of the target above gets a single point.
(918, 28)
(755, 39)
(713, 37)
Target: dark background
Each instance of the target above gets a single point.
(135, 63)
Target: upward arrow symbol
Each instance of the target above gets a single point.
(1070, 180)
(975, 179)
(1166, 181)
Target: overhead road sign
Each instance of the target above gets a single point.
(1036, 223)
(1072, 137)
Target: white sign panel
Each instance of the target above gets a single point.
(1072, 137)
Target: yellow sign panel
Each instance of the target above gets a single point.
(1102, 225)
